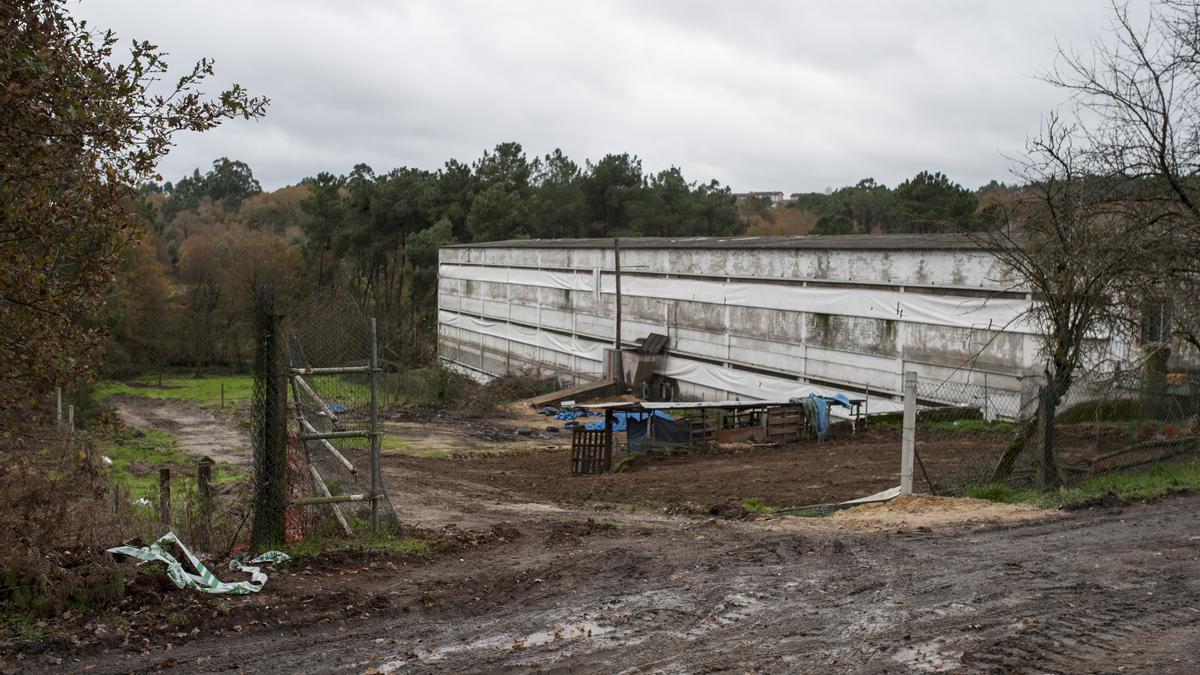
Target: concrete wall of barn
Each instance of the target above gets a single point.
(846, 352)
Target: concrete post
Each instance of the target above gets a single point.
(908, 443)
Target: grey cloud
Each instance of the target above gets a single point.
(793, 96)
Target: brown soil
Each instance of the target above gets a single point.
(580, 591)
(528, 573)
(846, 467)
(927, 510)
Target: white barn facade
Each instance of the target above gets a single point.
(746, 317)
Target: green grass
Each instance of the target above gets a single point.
(204, 390)
(969, 425)
(363, 543)
(757, 505)
(136, 459)
(1139, 485)
(22, 626)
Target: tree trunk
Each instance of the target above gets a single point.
(1050, 475)
(1008, 460)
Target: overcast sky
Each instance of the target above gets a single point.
(791, 96)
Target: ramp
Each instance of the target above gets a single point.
(581, 392)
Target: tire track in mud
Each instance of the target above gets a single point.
(1090, 591)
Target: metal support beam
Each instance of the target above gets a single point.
(314, 435)
(347, 370)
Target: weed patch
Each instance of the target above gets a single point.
(204, 390)
(756, 505)
(1142, 485)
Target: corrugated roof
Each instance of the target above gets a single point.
(851, 242)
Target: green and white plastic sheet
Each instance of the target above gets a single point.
(205, 581)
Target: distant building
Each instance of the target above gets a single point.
(772, 199)
(746, 317)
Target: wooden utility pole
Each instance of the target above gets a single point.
(164, 496)
(204, 490)
(376, 475)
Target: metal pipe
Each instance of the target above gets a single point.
(376, 476)
(346, 370)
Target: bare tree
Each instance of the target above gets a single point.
(1137, 106)
(1070, 244)
(1109, 223)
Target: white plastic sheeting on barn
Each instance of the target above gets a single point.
(746, 318)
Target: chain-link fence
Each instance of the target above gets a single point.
(318, 371)
(1042, 435)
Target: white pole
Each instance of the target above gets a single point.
(58, 394)
(909, 435)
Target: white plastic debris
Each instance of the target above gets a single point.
(203, 581)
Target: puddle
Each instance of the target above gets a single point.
(569, 632)
(927, 657)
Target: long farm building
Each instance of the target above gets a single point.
(744, 317)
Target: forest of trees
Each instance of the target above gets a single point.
(926, 203)
(370, 238)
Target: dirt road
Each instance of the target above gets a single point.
(536, 575)
(568, 590)
(199, 431)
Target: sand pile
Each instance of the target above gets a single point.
(926, 510)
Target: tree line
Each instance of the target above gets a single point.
(370, 238)
(927, 203)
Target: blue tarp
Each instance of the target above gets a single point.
(568, 415)
(816, 408)
(621, 420)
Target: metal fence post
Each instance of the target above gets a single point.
(376, 475)
(908, 441)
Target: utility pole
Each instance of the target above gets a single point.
(618, 362)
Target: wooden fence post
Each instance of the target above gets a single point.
(164, 496)
(204, 488)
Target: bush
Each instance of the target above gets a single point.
(57, 525)
(442, 387)
(1112, 410)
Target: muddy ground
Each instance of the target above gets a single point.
(570, 590)
(198, 430)
(531, 569)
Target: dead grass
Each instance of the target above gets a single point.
(57, 519)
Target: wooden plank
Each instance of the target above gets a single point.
(581, 392)
(324, 490)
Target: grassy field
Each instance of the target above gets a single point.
(205, 390)
(136, 459)
(1131, 485)
(239, 389)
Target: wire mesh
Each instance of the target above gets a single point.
(328, 384)
(1104, 422)
(332, 333)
